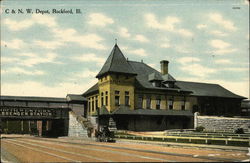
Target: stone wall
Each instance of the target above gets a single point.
(213, 123)
(76, 129)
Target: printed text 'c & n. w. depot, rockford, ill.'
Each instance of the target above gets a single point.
(42, 11)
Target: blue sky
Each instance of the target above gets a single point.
(55, 54)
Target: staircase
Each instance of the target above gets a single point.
(78, 125)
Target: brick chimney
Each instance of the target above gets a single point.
(164, 67)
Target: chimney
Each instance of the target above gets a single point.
(164, 67)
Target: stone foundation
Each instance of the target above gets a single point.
(213, 123)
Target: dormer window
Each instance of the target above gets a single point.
(169, 84)
(156, 83)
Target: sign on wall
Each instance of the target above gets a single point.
(32, 113)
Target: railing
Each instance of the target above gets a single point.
(195, 140)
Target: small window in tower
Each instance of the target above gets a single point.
(126, 93)
(106, 100)
(117, 100)
(106, 92)
(102, 103)
(127, 100)
(117, 92)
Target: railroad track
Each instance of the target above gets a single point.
(100, 152)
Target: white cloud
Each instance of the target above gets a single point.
(165, 45)
(141, 38)
(86, 73)
(18, 70)
(197, 70)
(191, 66)
(13, 44)
(140, 52)
(90, 57)
(8, 60)
(154, 66)
(218, 19)
(124, 32)
(34, 59)
(224, 51)
(31, 88)
(187, 60)
(18, 25)
(46, 20)
(184, 32)
(27, 54)
(48, 44)
(218, 33)
(182, 48)
(201, 26)
(169, 24)
(221, 47)
(100, 19)
(219, 44)
(246, 2)
(236, 69)
(90, 40)
(223, 61)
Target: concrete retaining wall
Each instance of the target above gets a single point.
(213, 123)
(76, 129)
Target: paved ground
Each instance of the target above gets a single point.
(19, 148)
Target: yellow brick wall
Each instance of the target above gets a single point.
(110, 83)
(178, 100)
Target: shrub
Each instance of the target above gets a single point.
(199, 128)
(239, 131)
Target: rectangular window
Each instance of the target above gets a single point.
(139, 104)
(148, 103)
(126, 93)
(106, 100)
(183, 103)
(92, 107)
(127, 100)
(89, 107)
(102, 101)
(117, 100)
(117, 92)
(158, 103)
(170, 103)
(96, 104)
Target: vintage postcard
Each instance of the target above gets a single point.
(124, 81)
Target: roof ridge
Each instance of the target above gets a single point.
(197, 82)
(112, 57)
